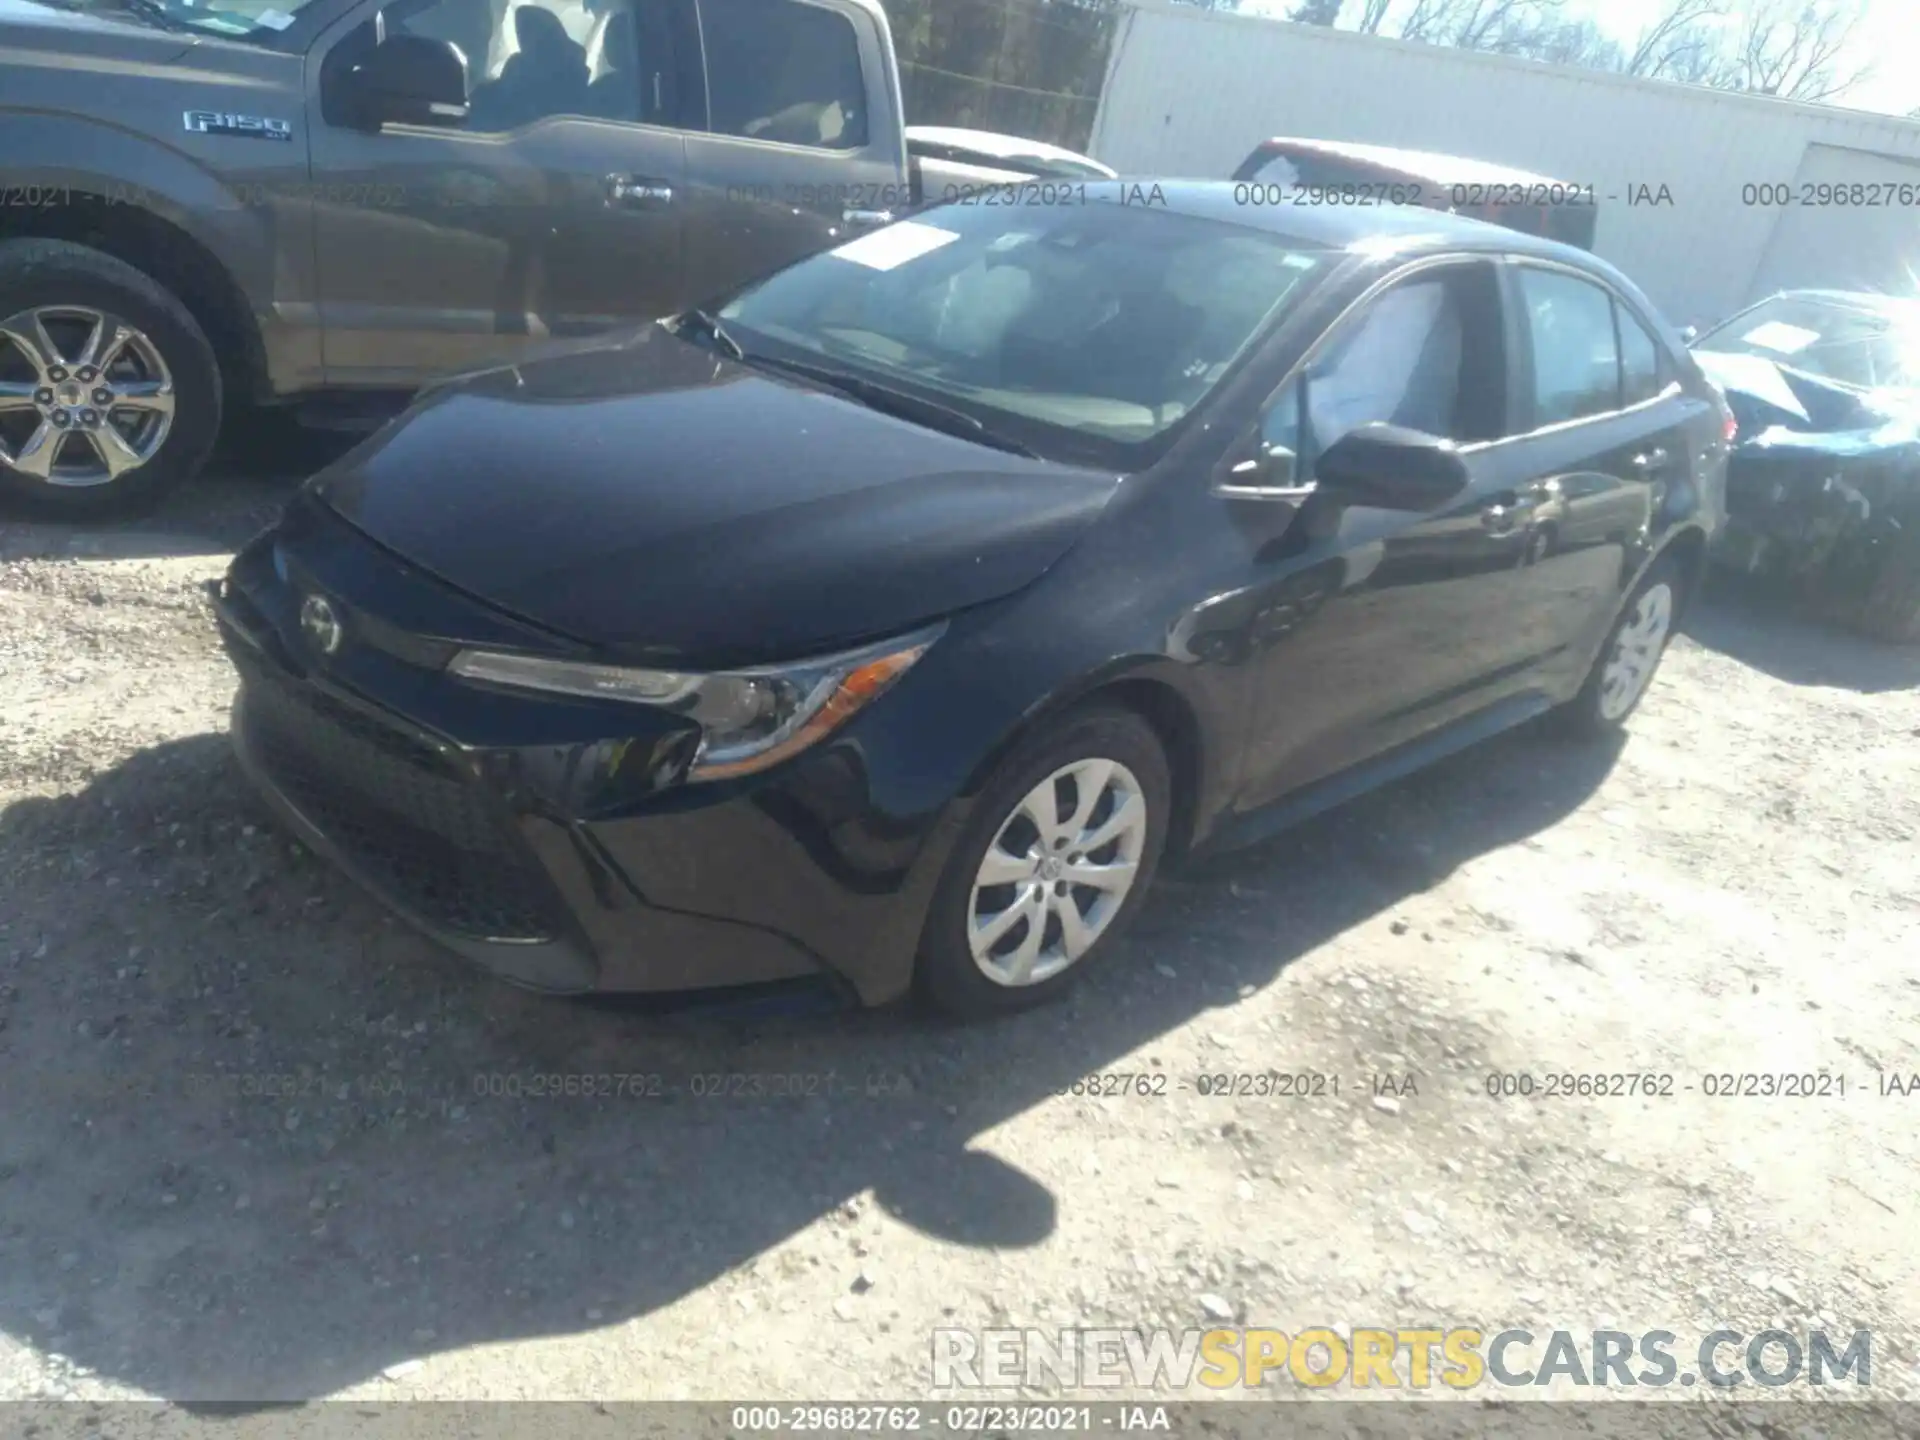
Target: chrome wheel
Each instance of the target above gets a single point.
(1636, 651)
(85, 398)
(1057, 871)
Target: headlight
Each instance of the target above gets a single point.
(749, 719)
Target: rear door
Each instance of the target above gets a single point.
(795, 142)
(554, 210)
(1609, 433)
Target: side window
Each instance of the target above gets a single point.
(1642, 374)
(1399, 362)
(1280, 422)
(1576, 364)
(528, 60)
(784, 70)
(1429, 354)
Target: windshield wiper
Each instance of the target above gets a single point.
(710, 324)
(885, 398)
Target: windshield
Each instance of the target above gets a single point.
(1868, 348)
(1098, 322)
(235, 19)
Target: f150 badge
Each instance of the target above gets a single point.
(253, 127)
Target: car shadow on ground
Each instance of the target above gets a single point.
(204, 1239)
(1759, 626)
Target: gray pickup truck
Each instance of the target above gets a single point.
(213, 204)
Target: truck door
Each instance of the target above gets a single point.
(797, 140)
(554, 209)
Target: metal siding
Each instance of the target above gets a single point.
(1191, 92)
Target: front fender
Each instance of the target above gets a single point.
(247, 220)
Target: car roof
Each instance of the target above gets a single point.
(1413, 228)
(990, 142)
(1431, 165)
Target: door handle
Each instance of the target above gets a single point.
(1650, 460)
(866, 219)
(637, 191)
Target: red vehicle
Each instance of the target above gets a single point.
(1335, 171)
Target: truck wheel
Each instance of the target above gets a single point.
(1891, 607)
(109, 392)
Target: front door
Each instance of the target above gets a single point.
(1382, 625)
(801, 145)
(554, 210)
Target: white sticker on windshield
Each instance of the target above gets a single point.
(273, 19)
(895, 245)
(1779, 336)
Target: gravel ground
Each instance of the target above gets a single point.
(1735, 889)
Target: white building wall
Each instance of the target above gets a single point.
(1190, 92)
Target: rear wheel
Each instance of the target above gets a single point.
(109, 391)
(1062, 845)
(1625, 667)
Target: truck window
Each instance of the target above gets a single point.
(784, 70)
(531, 59)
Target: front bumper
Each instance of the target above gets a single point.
(522, 834)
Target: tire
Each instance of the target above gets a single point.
(1601, 708)
(77, 292)
(1099, 740)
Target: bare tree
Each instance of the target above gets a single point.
(1514, 27)
(1373, 14)
(1316, 12)
(1679, 40)
(1795, 49)
(1577, 42)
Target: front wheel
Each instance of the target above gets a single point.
(1626, 664)
(109, 390)
(1063, 843)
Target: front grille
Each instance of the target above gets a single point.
(398, 811)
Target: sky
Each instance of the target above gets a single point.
(1889, 36)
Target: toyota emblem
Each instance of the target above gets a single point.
(320, 625)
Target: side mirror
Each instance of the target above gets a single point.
(412, 80)
(1388, 467)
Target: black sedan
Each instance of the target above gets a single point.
(890, 620)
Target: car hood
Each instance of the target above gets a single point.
(655, 500)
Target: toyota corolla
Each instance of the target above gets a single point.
(890, 620)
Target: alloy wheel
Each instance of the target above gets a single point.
(1057, 872)
(1636, 651)
(85, 397)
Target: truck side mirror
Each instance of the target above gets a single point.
(412, 80)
